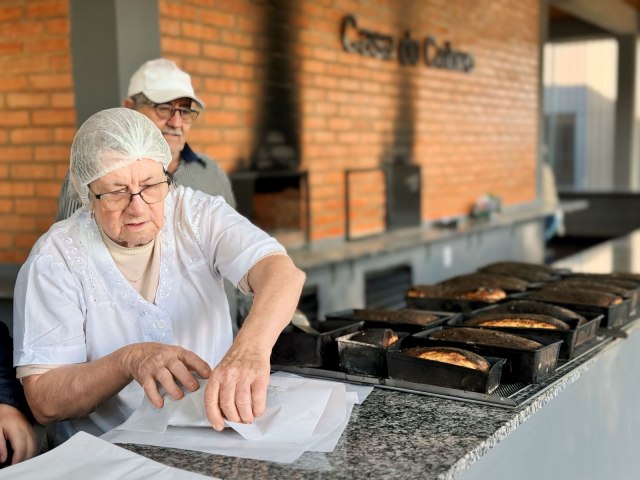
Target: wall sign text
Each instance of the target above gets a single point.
(408, 50)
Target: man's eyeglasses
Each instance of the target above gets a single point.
(166, 111)
(116, 201)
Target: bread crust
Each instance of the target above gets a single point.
(406, 316)
(483, 294)
(451, 356)
(517, 320)
(479, 336)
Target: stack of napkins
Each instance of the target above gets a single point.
(301, 415)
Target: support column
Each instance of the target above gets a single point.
(627, 127)
(109, 40)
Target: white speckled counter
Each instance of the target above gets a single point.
(403, 435)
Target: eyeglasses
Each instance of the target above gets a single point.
(116, 201)
(166, 111)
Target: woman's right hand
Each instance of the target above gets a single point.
(151, 363)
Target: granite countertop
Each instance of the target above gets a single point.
(391, 435)
(405, 435)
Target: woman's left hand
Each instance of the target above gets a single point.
(237, 387)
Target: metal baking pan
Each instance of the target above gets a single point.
(576, 336)
(360, 358)
(418, 370)
(441, 317)
(295, 347)
(449, 304)
(613, 316)
(632, 285)
(522, 365)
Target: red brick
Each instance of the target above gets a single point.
(16, 189)
(33, 171)
(57, 117)
(237, 71)
(179, 46)
(64, 135)
(48, 189)
(21, 29)
(52, 153)
(16, 223)
(6, 206)
(47, 9)
(10, 13)
(48, 45)
(6, 239)
(27, 100)
(171, 28)
(198, 31)
(236, 39)
(35, 206)
(219, 52)
(9, 48)
(15, 82)
(176, 10)
(14, 118)
(31, 135)
(57, 25)
(217, 18)
(63, 100)
(26, 240)
(51, 82)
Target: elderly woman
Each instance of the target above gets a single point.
(127, 294)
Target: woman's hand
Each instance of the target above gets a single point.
(237, 388)
(152, 363)
(16, 429)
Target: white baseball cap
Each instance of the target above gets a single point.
(161, 81)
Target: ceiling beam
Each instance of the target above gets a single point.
(615, 16)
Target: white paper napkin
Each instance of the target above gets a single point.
(86, 456)
(302, 414)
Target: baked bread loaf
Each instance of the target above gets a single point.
(379, 337)
(487, 280)
(526, 271)
(484, 294)
(481, 336)
(593, 284)
(450, 355)
(530, 306)
(517, 320)
(406, 316)
(581, 296)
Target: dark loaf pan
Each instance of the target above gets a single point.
(449, 304)
(297, 348)
(633, 293)
(360, 358)
(571, 339)
(442, 317)
(613, 316)
(417, 370)
(522, 365)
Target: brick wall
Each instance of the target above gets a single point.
(471, 133)
(38, 119)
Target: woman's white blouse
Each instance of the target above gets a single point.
(72, 304)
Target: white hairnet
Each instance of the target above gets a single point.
(112, 139)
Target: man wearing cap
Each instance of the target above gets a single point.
(164, 93)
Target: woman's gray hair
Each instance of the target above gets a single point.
(112, 139)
